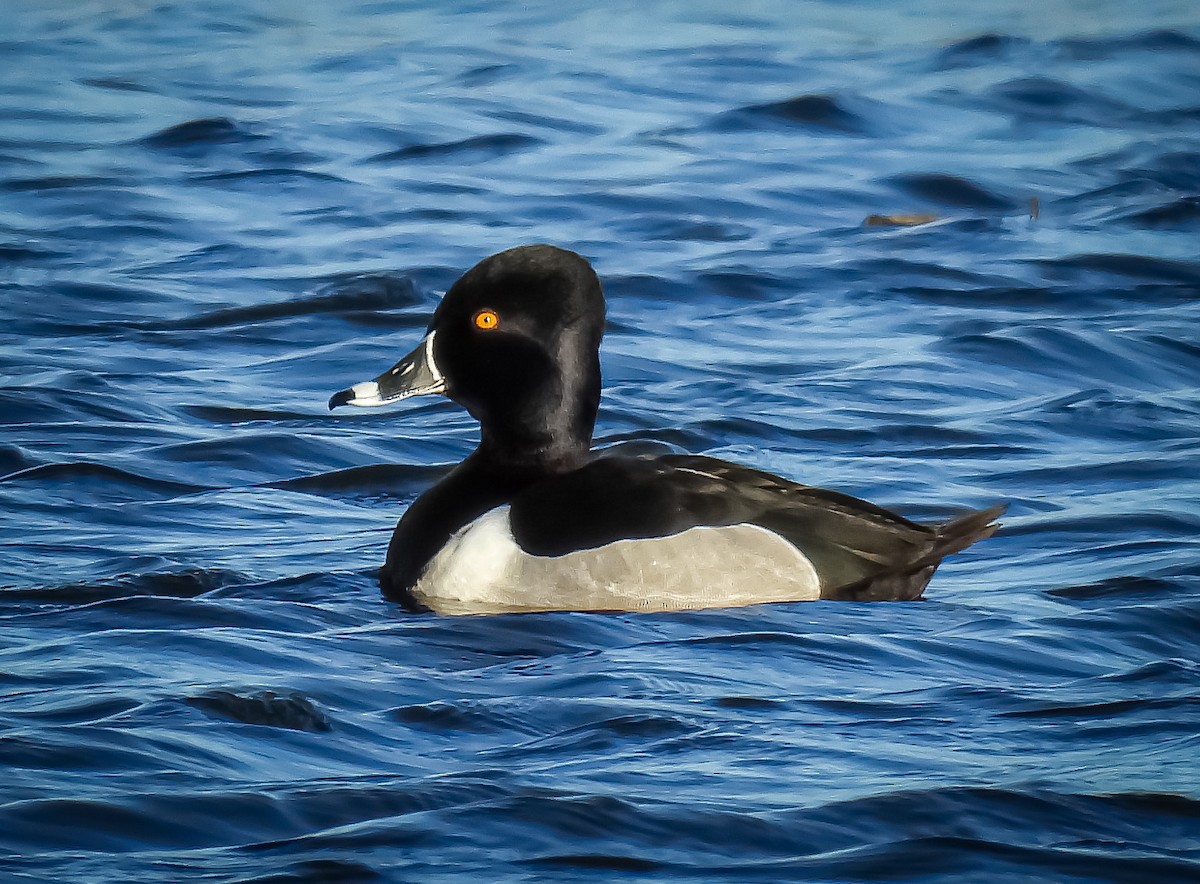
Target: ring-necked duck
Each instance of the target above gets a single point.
(533, 520)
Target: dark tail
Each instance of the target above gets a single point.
(907, 582)
(958, 534)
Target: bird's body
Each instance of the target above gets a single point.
(535, 520)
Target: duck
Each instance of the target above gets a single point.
(534, 519)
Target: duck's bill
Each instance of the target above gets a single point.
(414, 375)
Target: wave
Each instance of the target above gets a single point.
(377, 480)
(1182, 213)
(77, 473)
(819, 112)
(952, 190)
(203, 132)
(58, 182)
(980, 50)
(271, 176)
(1148, 267)
(1155, 40)
(1049, 100)
(1117, 587)
(186, 583)
(483, 146)
(292, 711)
(354, 293)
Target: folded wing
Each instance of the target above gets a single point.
(861, 552)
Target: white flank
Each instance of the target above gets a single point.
(482, 570)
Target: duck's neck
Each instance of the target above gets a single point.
(551, 442)
(542, 454)
(550, 431)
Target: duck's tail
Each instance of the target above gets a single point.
(958, 534)
(906, 582)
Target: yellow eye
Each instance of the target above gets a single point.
(486, 320)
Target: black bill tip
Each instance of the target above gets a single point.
(341, 397)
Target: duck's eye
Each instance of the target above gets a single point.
(486, 320)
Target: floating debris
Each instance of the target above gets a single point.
(898, 220)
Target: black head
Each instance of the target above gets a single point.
(516, 341)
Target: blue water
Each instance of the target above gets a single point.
(214, 214)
